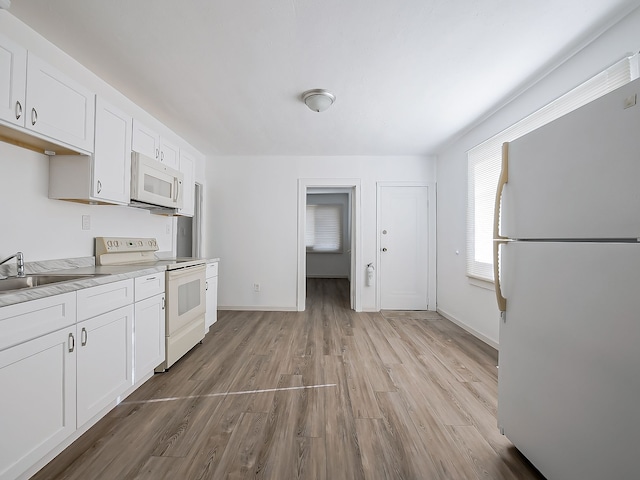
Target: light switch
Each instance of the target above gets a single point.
(630, 101)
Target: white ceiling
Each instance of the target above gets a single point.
(408, 74)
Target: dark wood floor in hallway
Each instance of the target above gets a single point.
(323, 394)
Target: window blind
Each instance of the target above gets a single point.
(324, 228)
(484, 161)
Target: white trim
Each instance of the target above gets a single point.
(481, 283)
(470, 330)
(196, 228)
(432, 223)
(356, 241)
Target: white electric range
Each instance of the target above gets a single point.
(184, 289)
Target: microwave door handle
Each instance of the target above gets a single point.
(176, 189)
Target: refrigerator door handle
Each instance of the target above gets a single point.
(497, 238)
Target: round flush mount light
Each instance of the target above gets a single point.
(318, 100)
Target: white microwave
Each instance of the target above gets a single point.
(154, 183)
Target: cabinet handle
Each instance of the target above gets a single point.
(72, 343)
(18, 110)
(34, 116)
(206, 285)
(83, 337)
(162, 156)
(99, 186)
(151, 278)
(163, 303)
(157, 154)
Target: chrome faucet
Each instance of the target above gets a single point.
(19, 259)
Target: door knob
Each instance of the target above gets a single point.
(384, 249)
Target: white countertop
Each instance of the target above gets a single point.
(109, 274)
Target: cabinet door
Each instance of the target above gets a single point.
(145, 140)
(187, 167)
(148, 336)
(169, 154)
(104, 361)
(38, 401)
(13, 80)
(112, 154)
(211, 316)
(58, 107)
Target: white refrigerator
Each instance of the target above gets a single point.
(569, 290)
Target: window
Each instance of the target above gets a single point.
(484, 161)
(324, 228)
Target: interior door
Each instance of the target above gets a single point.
(404, 247)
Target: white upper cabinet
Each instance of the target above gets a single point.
(148, 142)
(105, 176)
(169, 154)
(13, 81)
(145, 140)
(187, 167)
(57, 106)
(38, 101)
(112, 154)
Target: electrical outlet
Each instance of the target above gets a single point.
(168, 229)
(256, 287)
(86, 222)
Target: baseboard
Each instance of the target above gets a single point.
(466, 327)
(257, 308)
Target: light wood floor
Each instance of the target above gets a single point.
(322, 394)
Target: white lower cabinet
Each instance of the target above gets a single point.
(104, 361)
(66, 359)
(38, 404)
(149, 335)
(211, 316)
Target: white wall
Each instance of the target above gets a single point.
(51, 229)
(459, 298)
(45, 229)
(252, 205)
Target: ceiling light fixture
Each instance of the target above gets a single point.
(318, 100)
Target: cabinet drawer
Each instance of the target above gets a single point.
(149, 286)
(24, 321)
(104, 298)
(212, 270)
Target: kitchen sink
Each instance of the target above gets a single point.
(38, 280)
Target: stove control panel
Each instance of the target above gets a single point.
(122, 251)
(121, 244)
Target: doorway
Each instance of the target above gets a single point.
(317, 186)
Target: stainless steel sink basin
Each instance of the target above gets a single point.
(38, 280)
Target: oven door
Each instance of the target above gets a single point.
(185, 297)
